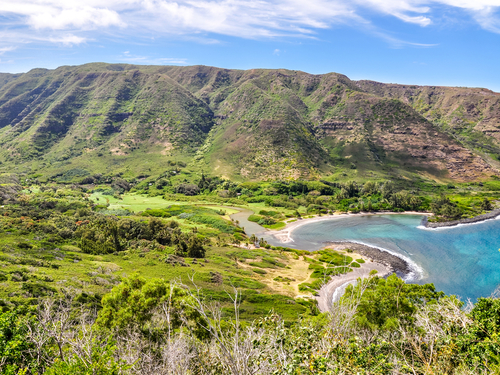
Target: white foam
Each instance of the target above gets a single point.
(341, 290)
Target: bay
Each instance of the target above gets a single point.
(462, 260)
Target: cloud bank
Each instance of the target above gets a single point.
(73, 22)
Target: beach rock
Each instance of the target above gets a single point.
(490, 215)
(398, 265)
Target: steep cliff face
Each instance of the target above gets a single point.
(253, 124)
(472, 114)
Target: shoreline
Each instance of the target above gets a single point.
(403, 266)
(337, 284)
(394, 263)
(284, 235)
(384, 261)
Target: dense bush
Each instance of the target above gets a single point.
(443, 206)
(187, 189)
(214, 222)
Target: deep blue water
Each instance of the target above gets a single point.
(463, 260)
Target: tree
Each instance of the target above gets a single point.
(350, 189)
(443, 206)
(187, 189)
(387, 189)
(387, 303)
(161, 183)
(195, 247)
(132, 304)
(370, 188)
(181, 249)
(369, 206)
(451, 212)
(100, 237)
(486, 205)
(481, 343)
(15, 349)
(253, 238)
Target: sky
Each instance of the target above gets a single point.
(422, 42)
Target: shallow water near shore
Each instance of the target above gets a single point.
(463, 260)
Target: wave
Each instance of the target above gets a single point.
(416, 272)
(339, 291)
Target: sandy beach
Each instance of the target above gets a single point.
(325, 297)
(375, 259)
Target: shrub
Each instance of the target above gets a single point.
(38, 289)
(187, 189)
(254, 218)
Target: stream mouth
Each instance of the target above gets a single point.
(249, 226)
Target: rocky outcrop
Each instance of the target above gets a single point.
(488, 216)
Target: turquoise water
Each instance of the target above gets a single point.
(462, 260)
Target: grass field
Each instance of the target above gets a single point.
(38, 271)
(140, 202)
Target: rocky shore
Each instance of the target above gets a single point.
(488, 216)
(394, 263)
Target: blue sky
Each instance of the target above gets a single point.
(427, 42)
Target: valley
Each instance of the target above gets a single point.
(153, 213)
(72, 122)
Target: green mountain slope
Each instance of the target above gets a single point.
(254, 124)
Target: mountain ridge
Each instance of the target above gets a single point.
(243, 124)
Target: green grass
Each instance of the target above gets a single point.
(277, 226)
(329, 263)
(141, 202)
(96, 275)
(132, 202)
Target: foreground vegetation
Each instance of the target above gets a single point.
(381, 326)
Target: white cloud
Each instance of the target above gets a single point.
(80, 18)
(61, 14)
(487, 19)
(137, 59)
(68, 40)
(415, 11)
(407, 11)
(6, 49)
(77, 20)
